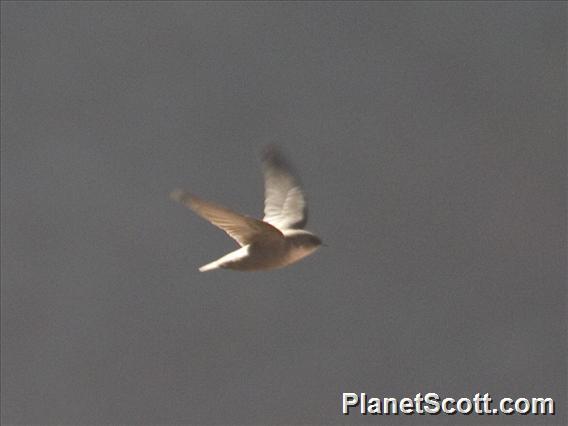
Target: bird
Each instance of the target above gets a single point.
(279, 239)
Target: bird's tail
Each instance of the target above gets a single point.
(209, 266)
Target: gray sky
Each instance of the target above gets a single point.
(431, 141)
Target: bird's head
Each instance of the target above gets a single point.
(304, 239)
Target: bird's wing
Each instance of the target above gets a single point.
(285, 204)
(245, 230)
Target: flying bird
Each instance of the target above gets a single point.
(275, 241)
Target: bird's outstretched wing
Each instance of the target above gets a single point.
(285, 204)
(245, 230)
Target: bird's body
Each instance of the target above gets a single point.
(276, 241)
(270, 254)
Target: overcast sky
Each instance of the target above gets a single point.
(431, 141)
